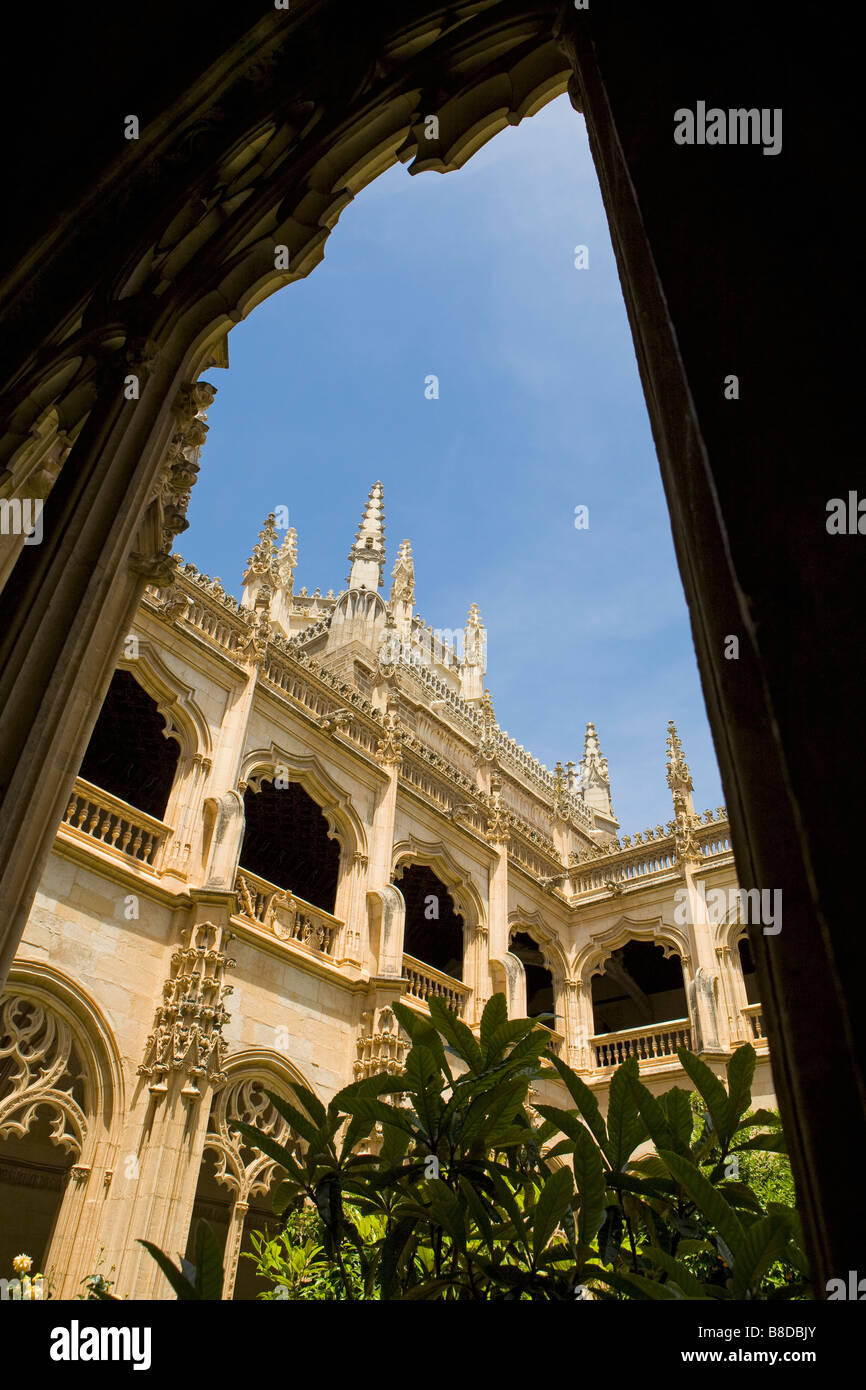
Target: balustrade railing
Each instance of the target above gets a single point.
(289, 918)
(647, 1044)
(426, 983)
(753, 1013)
(114, 823)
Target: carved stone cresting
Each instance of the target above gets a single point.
(39, 1067)
(166, 515)
(187, 1039)
(389, 749)
(679, 779)
(381, 1046)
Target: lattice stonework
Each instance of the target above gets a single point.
(244, 1170)
(39, 1067)
(187, 1036)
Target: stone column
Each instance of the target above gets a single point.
(72, 600)
(165, 1136)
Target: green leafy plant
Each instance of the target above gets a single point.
(202, 1280)
(441, 1182)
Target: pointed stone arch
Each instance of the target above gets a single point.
(601, 945)
(175, 700)
(61, 1057)
(436, 856)
(344, 823)
(246, 1173)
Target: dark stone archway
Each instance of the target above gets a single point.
(286, 840)
(129, 754)
(433, 932)
(138, 256)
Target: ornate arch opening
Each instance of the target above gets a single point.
(134, 749)
(540, 984)
(287, 841)
(236, 1179)
(434, 928)
(61, 1087)
(639, 983)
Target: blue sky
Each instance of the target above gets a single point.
(471, 277)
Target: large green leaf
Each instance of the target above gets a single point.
(589, 1178)
(653, 1115)
(707, 1199)
(675, 1270)
(494, 1015)
(456, 1032)
(774, 1143)
(585, 1101)
(552, 1202)
(710, 1087)
(278, 1152)
(208, 1263)
(299, 1122)
(677, 1107)
(741, 1073)
(763, 1242)
(625, 1127)
(182, 1286)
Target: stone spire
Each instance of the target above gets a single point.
(270, 574)
(367, 556)
(403, 588)
(678, 776)
(594, 775)
(679, 779)
(474, 656)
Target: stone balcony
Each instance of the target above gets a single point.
(128, 835)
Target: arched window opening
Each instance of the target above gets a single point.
(129, 754)
(640, 986)
(286, 841)
(42, 1090)
(539, 980)
(750, 973)
(236, 1182)
(434, 929)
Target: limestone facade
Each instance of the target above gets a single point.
(165, 977)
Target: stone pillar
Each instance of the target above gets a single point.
(164, 1140)
(351, 906)
(72, 600)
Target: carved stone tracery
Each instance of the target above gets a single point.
(39, 1067)
(187, 1037)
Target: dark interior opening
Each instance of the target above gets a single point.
(434, 930)
(286, 841)
(128, 754)
(750, 974)
(539, 981)
(640, 986)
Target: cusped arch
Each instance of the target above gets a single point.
(601, 946)
(249, 1075)
(436, 856)
(344, 824)
(548, 942)
(59, 998)
(175, 700)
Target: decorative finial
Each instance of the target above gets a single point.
(367, 556)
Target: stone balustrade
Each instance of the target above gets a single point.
(288, 917)
(426, 983)
(647, 1044)
(755, 1018)
(114, 824)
